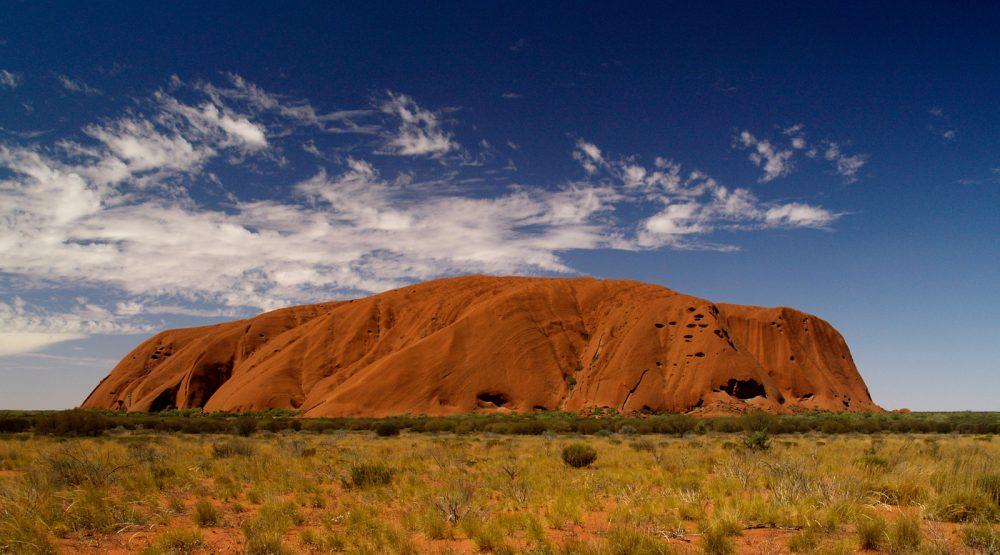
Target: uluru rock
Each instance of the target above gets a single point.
(477, 343)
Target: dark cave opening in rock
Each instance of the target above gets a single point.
(744, 389)
(205, 380)
(164, 401)
(495, 399)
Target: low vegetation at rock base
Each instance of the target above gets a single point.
(72, 482)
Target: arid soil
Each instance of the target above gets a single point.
(131, 492)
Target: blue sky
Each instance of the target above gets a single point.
(188, 164)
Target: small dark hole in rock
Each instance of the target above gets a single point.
(791, 357)
(688, 336)
(659, 325)
(699, 354)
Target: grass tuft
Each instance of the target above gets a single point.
(579, 455)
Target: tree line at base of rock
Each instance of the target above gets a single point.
(78, 422)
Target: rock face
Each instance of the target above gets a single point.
(497, 343)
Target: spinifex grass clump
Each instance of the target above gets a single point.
(176, 542)
(232, 448)
(579, 455)
(369, 474)
(205, 514)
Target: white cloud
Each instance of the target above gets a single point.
(778, 162)
(229, 129)
(78, 86)
(510, 95)
(588, 155)
(775, 162)
(675, 219)
(27, 328)
(847, 166)
(798, 215)
(419, 132)
(9, 80)
(941, 124)
(113, 210)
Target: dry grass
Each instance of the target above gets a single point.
(358, 492)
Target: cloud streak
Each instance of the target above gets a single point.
(9, 80)
(78, 86)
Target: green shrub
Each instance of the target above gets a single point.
(679, 424)
(387, 428)
(246, 425)
(13, 424)
(368, 474)
(75, 422)
(579, 455)
(276, 425)
(757, 441)
(205, 514)
(758, 421)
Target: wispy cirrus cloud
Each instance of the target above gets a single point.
(9, 80)
(78, 86)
